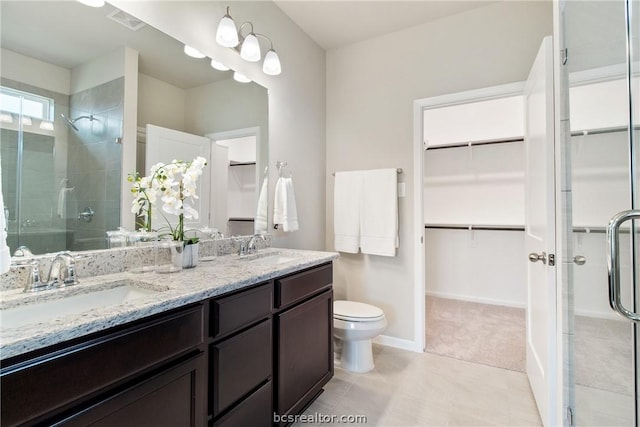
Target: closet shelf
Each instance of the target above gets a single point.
(232, 163)
(476, 143)
(475, 227)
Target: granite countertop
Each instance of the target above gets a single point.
(212, 277)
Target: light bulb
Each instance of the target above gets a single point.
(193, 52)
(6, 118)
(271, 64)
(250, 49)
(26, 121)
(219, 65)
(46, 125)
(227, 33)
(241, 78)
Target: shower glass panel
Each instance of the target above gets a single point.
(602, 156)
(30, 171)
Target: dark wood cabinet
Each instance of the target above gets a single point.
(233, 360)
(168, 399)
(67, 379)
(304, 336)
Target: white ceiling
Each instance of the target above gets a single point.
(67, 34)
(335, 23)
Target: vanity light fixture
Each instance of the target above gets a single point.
(92, 3)
(193, 52)
(46, 125)
(241, 77)
(6, 118)
(228, 35)
(219, 65)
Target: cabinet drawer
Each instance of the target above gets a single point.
(52, 382)
(231, 313)
(300, 285)
(254, 411)
(239, 364)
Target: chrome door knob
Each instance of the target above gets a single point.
(579, 260)
(534, 257)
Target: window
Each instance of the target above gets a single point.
(14, 101)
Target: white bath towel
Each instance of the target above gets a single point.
(62, 202)
(260, 226)
(379, 212)
(5, 254)
(285, 212)
(346, 211)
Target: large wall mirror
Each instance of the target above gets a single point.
(66, 80)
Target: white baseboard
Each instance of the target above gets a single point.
(398, 343)
(599, 314)
(492, 301)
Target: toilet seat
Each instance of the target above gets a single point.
(352, 311)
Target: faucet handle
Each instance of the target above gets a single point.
(34, 282)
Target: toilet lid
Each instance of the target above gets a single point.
(357, 310)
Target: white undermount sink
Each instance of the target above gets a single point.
(42, 309)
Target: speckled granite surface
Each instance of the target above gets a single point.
(213, 276)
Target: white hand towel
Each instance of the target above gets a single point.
(5, 254)
(285, 212)
(379, 215)
(346, 211)
(261, 214)
(62, 201)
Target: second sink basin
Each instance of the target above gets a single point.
(273, 259)
(41, 309)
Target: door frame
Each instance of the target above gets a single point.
(419, 105)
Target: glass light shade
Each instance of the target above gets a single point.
(193, 52)
(26, 121)
(219, 65)
(6, 118)
(271, 65)
(227, 34)
(46, 125)
(92, 3)
(241, 78)
(250, 49)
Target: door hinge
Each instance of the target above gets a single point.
(565, 56)
(570, 416)
(552, 260)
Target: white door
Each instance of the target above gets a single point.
(165, 145)
(540, 233)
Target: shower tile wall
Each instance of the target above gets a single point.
(95, 162)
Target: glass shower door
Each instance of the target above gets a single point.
(601, 38)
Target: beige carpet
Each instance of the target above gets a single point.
(481, 333)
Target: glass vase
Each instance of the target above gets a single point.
(169, 256)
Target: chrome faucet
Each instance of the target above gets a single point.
(63, 270)
(251, 246)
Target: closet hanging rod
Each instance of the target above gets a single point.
(603, 130)
(475, 227)
(398, 170)
(473, 144)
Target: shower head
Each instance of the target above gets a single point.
(72, 122)
(69, 122)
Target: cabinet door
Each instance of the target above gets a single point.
(174, 397)
(305, 352)
(239, 365)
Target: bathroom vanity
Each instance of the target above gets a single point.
(230, 343)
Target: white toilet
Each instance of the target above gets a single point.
(355, 324)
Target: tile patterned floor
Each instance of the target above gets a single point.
(422, 389)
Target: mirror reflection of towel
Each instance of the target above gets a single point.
(284, 205)
(62, 202)
(261, 214)
(5, 254)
